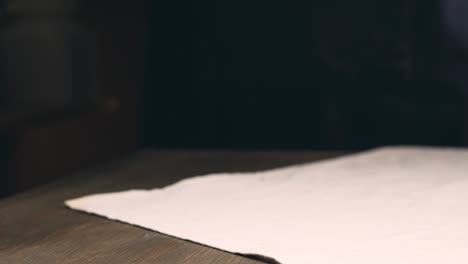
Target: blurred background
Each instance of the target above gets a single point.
(86, 81)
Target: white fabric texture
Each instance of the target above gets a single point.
(392, 205)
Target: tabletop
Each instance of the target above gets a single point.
(35, 226)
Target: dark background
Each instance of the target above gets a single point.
(303, 74)
(86, 81)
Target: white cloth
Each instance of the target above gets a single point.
(392, 205)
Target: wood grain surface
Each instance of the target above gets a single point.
(36, 228)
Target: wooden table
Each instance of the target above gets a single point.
(36, 228)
